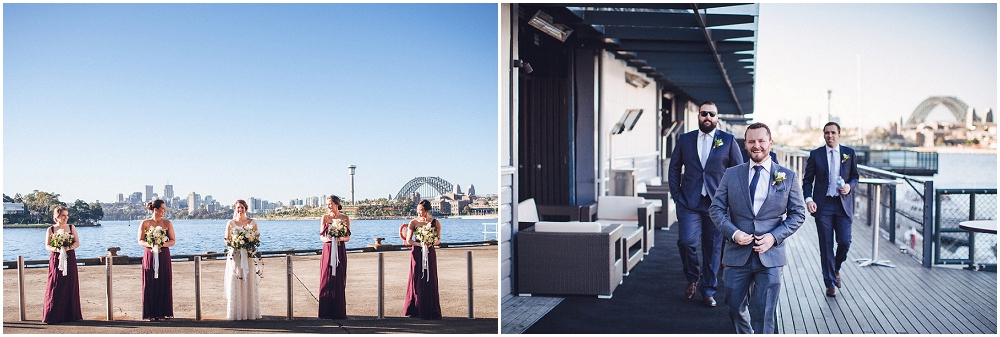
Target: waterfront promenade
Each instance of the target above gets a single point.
(362, 298)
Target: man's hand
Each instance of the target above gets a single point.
(811, 206)
(845, 189)
(742, 238)
(763, 243)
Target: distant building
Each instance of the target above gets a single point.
(14, 208)
(121, 198)
(149, 193)
(168, 192)
(135, 198)
(193, 202)
(471, 190)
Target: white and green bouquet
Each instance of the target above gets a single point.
(427, 235)
(244, 241)
(61, 239)
(155, 238)
(336, 229)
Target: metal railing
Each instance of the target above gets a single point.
(955, 245)
(289, 285)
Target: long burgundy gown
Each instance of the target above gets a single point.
(422, 291)
(333, 289)
(62, 293)
(157, 293)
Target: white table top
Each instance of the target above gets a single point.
(981, 226)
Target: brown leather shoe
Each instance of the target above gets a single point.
(709, 301)
(831, 291)
(691, 289)
(838, 280)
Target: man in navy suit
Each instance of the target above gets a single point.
(704, 155)
(748, 208)
(833, 204)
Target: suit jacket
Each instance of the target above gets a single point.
(686, 188)
(816, 178)
(732, 210)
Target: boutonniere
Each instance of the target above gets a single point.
(778, 178)
(844, 158)
(717, 143)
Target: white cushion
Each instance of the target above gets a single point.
(568, 227)
(619, 208)
(641, 188)
(527, 211)
(624, 223)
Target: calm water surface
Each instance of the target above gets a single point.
(199, 236)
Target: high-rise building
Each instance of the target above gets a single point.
(168, 192)
(471, 190)
(121, 198)
(135, 198)
(149, 192)
(194, 202)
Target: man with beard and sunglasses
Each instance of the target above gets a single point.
(703, 155)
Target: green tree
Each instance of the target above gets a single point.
(79, 212)
(96, 211)
(40, 204)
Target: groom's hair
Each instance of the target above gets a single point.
(758, 125)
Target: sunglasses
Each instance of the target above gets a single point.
(708, 113)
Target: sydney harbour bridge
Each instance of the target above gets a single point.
(427, 187)
(962, 112)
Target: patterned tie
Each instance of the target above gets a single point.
(753, 183)
(831, 191)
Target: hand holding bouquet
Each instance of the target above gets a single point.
(244, 237)
(62, 240)
(426, 234)
(155, 238)
(337, 229)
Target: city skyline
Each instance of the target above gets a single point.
(907, 53)
(247, 99)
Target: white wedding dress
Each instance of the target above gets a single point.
(242, 296)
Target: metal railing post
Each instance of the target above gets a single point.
(20, 285)
(468, 259)
(108, 263)
(381, 286)
(288, 282)
(929, 224)
(197, 288)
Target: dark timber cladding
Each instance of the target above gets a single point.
(700, 51)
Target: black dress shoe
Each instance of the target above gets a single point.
(838, 280)
(690, 290)
(709, 301)
(831, 291)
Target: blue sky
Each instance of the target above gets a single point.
(907, 52)
(234, 101)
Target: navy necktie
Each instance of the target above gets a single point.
(753, 183)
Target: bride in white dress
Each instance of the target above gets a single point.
(242, 296)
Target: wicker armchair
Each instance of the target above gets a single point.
(574, 258)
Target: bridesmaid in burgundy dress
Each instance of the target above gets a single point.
(157, 290)
(422, 291)
(62, 293)
(333, 286)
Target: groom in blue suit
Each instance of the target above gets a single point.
(757, 207)
(833, 204)
(704, 155)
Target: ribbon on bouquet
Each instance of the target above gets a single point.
(243, 263)
(335, 255)
(63, 262)
(156, 261)
(424, 269)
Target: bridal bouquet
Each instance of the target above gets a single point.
(426, 235)
(247, 238)
(336, 229)
(244, 238)
(61, 239)
(155, 238)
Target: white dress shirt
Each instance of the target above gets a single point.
(763, 184)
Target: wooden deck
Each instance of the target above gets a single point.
(519, 313)
(875, 299)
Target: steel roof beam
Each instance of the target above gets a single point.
(715, 52)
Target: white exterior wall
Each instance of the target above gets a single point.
(508, 150)
(634, 149)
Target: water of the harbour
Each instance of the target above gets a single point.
(199, 236)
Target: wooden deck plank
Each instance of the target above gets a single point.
(906, 299)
